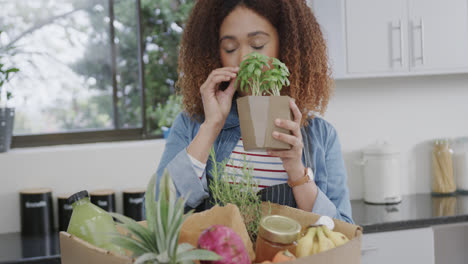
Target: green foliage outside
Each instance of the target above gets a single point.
(162, 25)
(5, 72)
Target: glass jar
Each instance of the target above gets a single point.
(460, 164)
(276, 233)
(443, 182)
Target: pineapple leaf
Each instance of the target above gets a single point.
(149, 204)
(146, 257)
(163, 257)
(198, 254)
(184, 247)
(137, 230)
(129, 243)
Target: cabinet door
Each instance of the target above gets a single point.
(438, 33)
(375, 36)
(407, 246)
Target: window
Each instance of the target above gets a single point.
(91, 70)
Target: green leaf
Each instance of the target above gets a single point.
(149, 204)
(258, 72)
(145, 258)
(198, 254)
(251, 68)
(137, 230)
(184, 247)
(129, 243)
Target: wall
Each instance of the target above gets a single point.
(408, 112)
(68, 169)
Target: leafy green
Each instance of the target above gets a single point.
(243, 193)
(5, 73)
(256, 72)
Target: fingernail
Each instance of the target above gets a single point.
(275, 134)
(277, 121)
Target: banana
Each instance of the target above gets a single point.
(324, 242)
(336, 237)
(315, 246)
(304, 245)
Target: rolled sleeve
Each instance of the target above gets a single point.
(185, 179)
(323, 205)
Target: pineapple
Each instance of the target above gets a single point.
(158, 243)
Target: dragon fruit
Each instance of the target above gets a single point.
(224, 242)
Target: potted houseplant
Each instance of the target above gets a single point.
(7, 114)
(263, 77)
(166, 114)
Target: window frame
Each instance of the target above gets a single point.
(103, 135)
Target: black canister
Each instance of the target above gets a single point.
(64, 211)
(104, 198)
(133, 203)
(37, 214)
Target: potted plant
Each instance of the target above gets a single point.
(7, 114)
(166, 114)
(264, 77)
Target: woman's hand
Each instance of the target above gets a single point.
(217, 103)
(292, 159)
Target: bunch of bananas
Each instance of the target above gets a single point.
(318, 239)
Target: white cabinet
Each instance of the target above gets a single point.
(376, 39)
(438, 31)
(372, 38)
(407, 246)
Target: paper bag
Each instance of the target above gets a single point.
(228, 215)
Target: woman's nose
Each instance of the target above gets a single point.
(243, 52)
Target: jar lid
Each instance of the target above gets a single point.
(77, 196)
(279, 229)
(380, 148)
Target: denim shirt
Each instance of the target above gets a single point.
(322, 152)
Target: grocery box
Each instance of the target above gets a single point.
(74, 250)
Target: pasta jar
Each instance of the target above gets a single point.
(276, 233)
(443, 182)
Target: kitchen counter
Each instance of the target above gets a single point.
(15, 248)
(415, 211)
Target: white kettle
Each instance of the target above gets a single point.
(381, 174)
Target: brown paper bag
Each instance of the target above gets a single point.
(257, 115)
(228, 215)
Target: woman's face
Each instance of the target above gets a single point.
(243, 31)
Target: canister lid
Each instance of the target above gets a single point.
(36, 191)
(102, 192)
(380, 148)
(279, 229)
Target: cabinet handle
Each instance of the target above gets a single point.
(401, 42)
(421, 28)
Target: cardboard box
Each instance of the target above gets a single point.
(74, 250)
(257, 115)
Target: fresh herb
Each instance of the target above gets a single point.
(158, 243)
(242, 191)
(262, 74)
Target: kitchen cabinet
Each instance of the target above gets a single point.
(369, 38)
(407, 246)
(450, 243)
(438, 32)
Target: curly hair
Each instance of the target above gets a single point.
(302, 49)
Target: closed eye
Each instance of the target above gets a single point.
(259, 47)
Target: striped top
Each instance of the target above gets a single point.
(266, 170)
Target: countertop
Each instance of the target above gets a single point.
(415, 211)
(15, 248)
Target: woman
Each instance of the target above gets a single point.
(217, 36)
